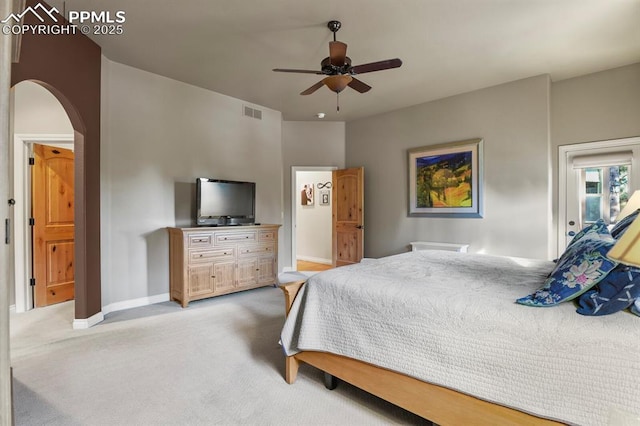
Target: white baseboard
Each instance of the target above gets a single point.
(315, 259)
(12, 309)
(79, 324)
(288, 269)
(135, 303)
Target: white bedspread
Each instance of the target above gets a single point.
(450, 319)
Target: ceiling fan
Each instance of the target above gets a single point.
(338, 69)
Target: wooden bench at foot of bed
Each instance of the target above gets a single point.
(435, 403)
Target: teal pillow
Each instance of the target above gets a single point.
(583, 265)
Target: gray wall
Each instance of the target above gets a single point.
(513, 121)
(307, 143)
(594, 107)
(37, 111)
(158, 136)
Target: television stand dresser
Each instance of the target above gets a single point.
(211, 261)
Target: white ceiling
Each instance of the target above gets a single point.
(447, 46)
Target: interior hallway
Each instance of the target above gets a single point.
(303, 265)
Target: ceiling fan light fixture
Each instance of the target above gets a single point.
(337, 83)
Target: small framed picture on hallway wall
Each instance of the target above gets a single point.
(306, 194)
(325, 197)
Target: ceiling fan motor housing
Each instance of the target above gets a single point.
(329, 69)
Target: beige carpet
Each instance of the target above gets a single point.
(216, 362)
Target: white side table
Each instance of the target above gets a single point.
(430, 245)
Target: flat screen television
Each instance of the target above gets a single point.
(225, 202)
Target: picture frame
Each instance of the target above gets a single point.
(306, 194)
(446, 180)
(324, 198)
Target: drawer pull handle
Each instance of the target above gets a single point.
(257, 269)
(200, 255)
(213, 276)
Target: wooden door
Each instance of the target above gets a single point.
(348, 216)
(53, 229)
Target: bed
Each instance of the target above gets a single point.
(439, 334)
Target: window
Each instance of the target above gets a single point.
(605, 191)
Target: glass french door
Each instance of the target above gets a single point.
(595, 181)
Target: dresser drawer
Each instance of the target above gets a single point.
(266, 236)
(234, 237)
(200, 240)
(257, 249)
(196, 256)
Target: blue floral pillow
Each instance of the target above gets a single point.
(599, 227)
(635, 308)
(583, 265)
(620, 227)
(616, 292)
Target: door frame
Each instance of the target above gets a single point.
(599, 147)
(294, 194)
(22, 150)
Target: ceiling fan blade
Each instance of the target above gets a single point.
(337, 53)
(359, 86)
(376, 66)
(313, 88)
(298, 71)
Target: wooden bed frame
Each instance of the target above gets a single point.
(435, 403)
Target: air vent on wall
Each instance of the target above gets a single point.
(253, 113)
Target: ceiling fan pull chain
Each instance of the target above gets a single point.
(338, 102)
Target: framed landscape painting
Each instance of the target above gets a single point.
(446, 180)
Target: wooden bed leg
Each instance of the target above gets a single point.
(291, 369)
(330, 382)
(291, 363)
(290, 292)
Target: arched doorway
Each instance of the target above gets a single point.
(38, 120)
(83, 293)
